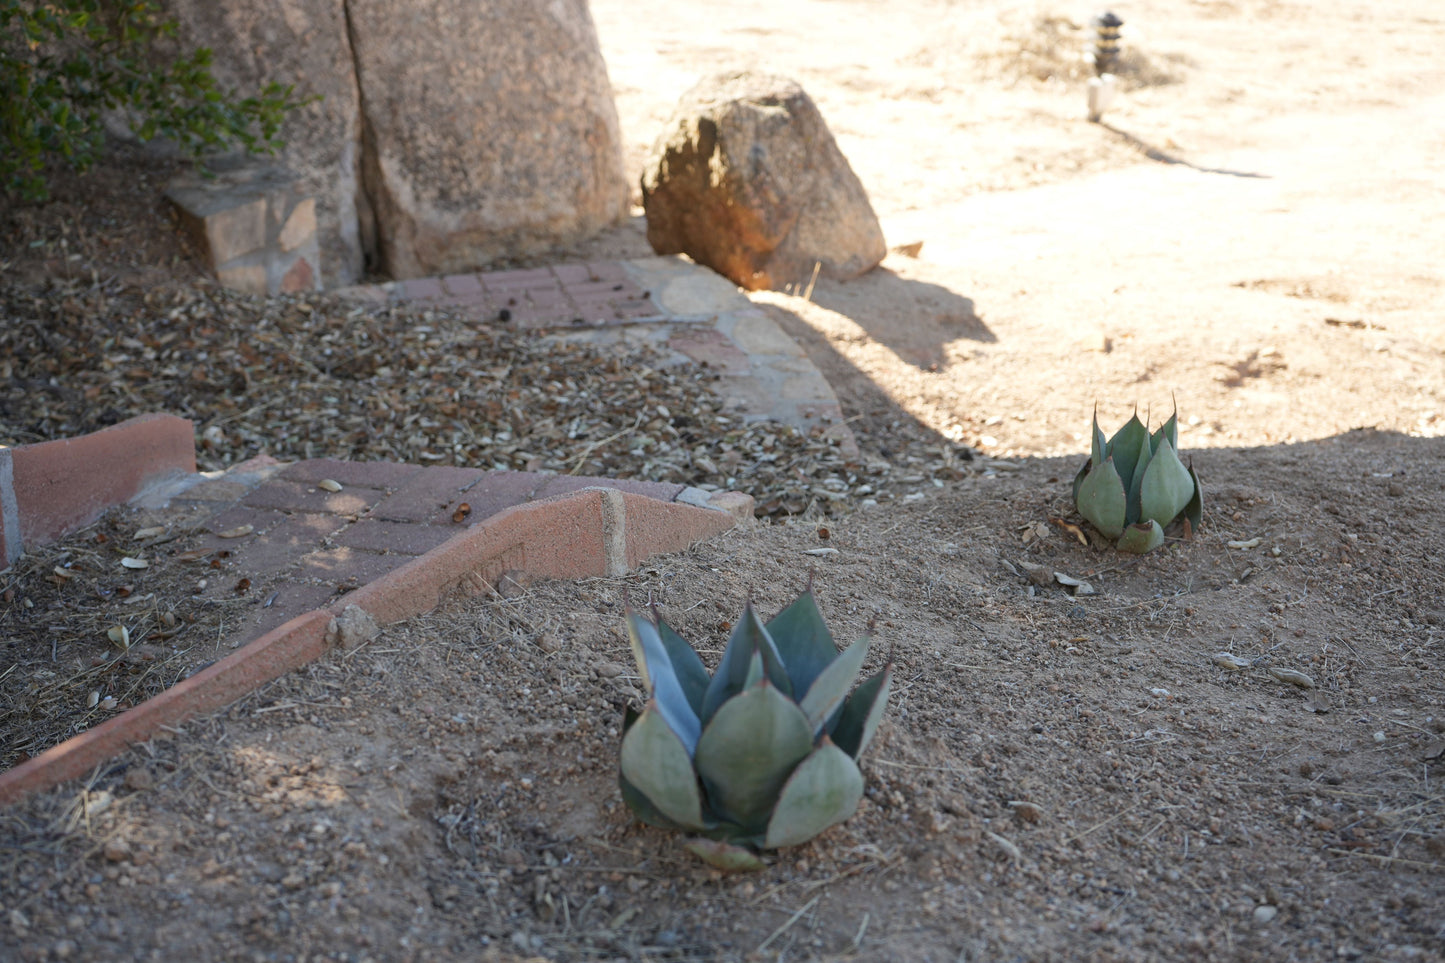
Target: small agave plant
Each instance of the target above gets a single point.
(762, 754)
(1134, 485)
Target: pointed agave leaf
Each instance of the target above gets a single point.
(691, 673)
(1102, 499)
(1143, 537)
(1126, 447)
(642, 807)
(1098, 444)
(863, 712)
(832, 685)
(659, 767)
(823, 791)
(1079, 477)
(803, 641)
(661, 680)
(1194, 511)
(1167, 487)
(749, 636)
(747, 751)
(1169, 431)
(1131, 504)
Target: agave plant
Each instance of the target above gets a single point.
(762, 754)
(1134, 484)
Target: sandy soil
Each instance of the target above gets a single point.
(1254, 231)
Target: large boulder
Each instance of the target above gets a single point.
(303, 43)
(448, 133)
(490, 129)
(748, 180)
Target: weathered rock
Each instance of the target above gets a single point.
(490, 129)
(748, 180)
(448, 133)
(303, 43)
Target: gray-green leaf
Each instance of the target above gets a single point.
(823, 791)
(748, 749)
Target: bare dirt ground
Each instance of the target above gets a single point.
(1254, 230)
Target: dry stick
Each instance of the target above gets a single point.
(808, 294)
(1096, 826)
(598, 444)
(791, 920)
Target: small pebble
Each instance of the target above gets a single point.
(1379, 737)
(139, 779)
(609, 670)
(1263, 914)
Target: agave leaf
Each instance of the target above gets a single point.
(748, 749)
(803, 641)
(1194, 511)
(1142, 537)
(642, 807)
(1131, 504)
(657, 764)
(691, 673)
(1169, 431)
(724, 856)
(863, 712)
(661, 680)
(1103, 499)
(823, 791)
(1098, 444)
(1126, 446)
(1079, 477)
(749, 636)
(1167, 486)
(832, 685)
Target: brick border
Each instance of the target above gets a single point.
(54, 487)
(593, 532)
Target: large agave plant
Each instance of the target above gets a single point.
(1134, 484)
(763, 753)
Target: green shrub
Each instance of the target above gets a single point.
(65, 63)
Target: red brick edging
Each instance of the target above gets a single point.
(592, 532)
(53, 487)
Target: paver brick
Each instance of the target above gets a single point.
(498, 490)
(572, 273)
(608, 271)
(517, 278)
(425, 497)
(404, 538)
(348, 566)
(420, 288)
(362, 474)
(462, 284)
(296, 496)
(281, 547)
(261, 520)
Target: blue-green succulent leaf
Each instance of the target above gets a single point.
(1126, 446)
(1098, 444)
(691, 673)
(803, 641)
(831, 687)
(749, 636)
(724, 856)
(1142, 537)
(823, 791)
(1079, 477)
(1103, 499)
(1131, 505)
(1169, 431)
(661, 680)
(1167, 486)
(1194, 511)
(748, 749)
(659, 767)
(863, 712)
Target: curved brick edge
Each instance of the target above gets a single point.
(592, 532)
(53, 487)
(291, 646)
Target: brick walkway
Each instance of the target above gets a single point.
(298, 546)
(688, 312)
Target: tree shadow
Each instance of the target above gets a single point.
(913, 318)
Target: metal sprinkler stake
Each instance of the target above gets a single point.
(1106, 56)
